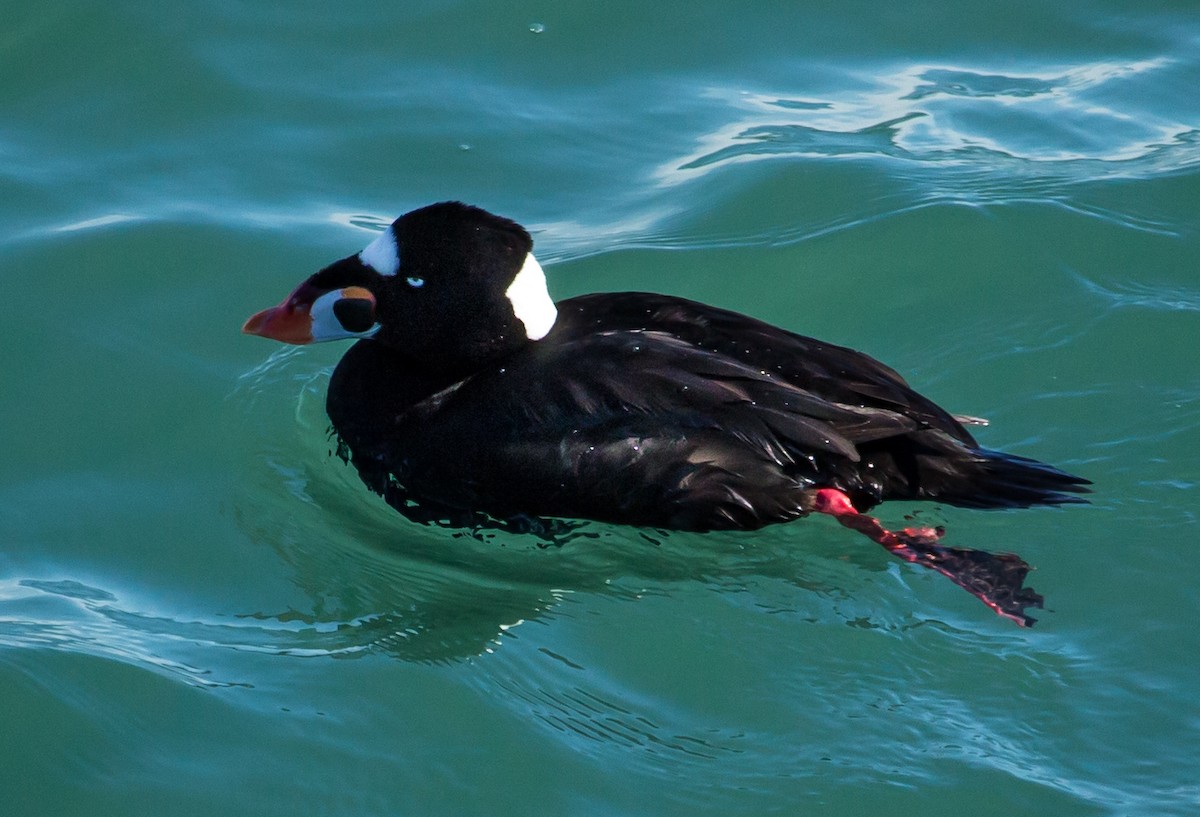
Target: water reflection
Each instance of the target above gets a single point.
(970, 83)
(956, 116)
(766, 140)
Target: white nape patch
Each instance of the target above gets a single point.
(531, 301)
(326, 326)
(381, 254)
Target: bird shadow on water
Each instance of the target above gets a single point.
(375, 582)
(359, 580)
(427, 593)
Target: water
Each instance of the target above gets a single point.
(202, 611)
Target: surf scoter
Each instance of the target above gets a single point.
(471, 395)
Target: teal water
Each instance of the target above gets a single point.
(203, 612)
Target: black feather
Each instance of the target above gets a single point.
(674, 414)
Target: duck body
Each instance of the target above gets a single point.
(472, 398)
(652, 410)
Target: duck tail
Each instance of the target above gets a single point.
(994, 479)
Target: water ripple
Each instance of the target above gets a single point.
(1156, 296)
(68, 615)
(954, 82)
(71, 616)
(1025, 132)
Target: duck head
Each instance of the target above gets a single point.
(449, 286)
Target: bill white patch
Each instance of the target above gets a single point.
(326, 326)
(381, 254)
(531, 301)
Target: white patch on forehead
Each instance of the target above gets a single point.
(381, 254)
(530, 301)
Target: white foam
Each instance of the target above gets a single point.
(531, 301)
(381, 254)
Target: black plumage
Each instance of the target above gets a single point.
(652, 410)
(472, 398)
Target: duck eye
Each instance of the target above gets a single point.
(415, 281)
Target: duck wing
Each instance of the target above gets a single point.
(835, 373)
(635, 425)
(906, 446)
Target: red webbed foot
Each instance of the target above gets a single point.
(996, 579)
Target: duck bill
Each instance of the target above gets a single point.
(311, 314)
(290, 322)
